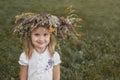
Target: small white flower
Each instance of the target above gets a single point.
(53, 20)
(70, 20)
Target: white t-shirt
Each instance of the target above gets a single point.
(40, 66)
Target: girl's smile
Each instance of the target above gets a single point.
(40, 38)
(40, 43)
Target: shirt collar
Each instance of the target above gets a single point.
(45, 52)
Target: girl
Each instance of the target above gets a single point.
(39, 60)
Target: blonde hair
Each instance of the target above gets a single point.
(29, 46)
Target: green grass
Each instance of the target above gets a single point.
(97, 57)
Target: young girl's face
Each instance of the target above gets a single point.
(40, 38)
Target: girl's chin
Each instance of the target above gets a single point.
(41, 46)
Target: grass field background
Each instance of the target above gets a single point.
(97, 57)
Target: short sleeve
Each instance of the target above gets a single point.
(23, 59)
(56, 58)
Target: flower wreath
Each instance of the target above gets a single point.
(61, 27)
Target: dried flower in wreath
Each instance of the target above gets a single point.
(61, 27)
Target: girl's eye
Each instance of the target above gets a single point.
(45, 34)
(36, 34)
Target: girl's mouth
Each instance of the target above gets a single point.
(40, 43)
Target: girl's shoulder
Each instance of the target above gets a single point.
(56, 54)
(23, 60)
(56, 58)
(23, 54)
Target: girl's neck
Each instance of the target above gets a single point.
(40, 50)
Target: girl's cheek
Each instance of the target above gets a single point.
(34, 38)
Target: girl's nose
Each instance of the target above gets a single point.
(41, 37)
